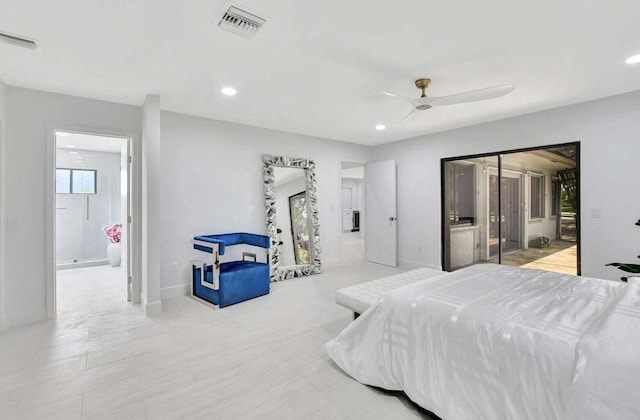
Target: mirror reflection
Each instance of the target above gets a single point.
(292, 217)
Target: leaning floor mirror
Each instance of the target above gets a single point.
(292, 216)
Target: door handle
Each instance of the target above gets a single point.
(391, 219)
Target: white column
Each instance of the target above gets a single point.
(3, 120)
(151, 143)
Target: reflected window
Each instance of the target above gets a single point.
(76, 181)
(536, 203)
(300, 227)
(461, 187)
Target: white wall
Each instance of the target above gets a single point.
(31, 118)
(609, 132)
(77, 237)
(212, 181)
(3, 119)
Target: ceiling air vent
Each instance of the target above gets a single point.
(16, 40)
(240, 22)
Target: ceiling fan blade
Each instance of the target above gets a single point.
(473, 95)
(403, 98)
(409, 115)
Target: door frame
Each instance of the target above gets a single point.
(444, 225)
(363, 211)
(135, 209)
(522, 203)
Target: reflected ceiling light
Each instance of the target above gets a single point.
(634, 59)
(62, 134)
(381, 127)
(74, 153)
(228, 91)
(70, 146)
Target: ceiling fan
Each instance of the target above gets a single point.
(425, 102)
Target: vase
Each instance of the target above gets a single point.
(113, 254)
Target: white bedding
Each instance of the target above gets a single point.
(496, 342)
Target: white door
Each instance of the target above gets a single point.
(381, 213)
(125, 186)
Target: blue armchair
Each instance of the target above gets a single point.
(226, 283)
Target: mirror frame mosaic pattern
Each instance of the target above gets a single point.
(279, 272)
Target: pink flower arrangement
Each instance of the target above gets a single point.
(113, 232)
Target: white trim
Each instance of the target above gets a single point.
(21, 318)
(152, 308)
(95, 263)
(50, 197)
(173, 291)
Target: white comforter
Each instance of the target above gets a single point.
(496, 342)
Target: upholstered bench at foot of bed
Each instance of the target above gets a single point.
(361, 296)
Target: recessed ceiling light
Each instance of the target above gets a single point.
(228, 91)
(381, 127)
(634, 59)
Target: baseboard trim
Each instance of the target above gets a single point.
(173, 291)
(151, 308)
(23, 318)
(67, 266)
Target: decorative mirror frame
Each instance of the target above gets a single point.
(269, 163)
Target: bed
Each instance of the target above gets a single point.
(497, 342)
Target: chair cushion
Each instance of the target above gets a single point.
(239, 281)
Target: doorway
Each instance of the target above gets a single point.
(517, 207)
(509, 214)
(352, 211)
(91, 221)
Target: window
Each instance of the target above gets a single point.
(63, 181)
(555, 195)
(536, 203)
(461, 190)
(76, 181)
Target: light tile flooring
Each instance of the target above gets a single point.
(264, 358)
(352, 246)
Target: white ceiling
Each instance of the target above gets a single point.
(317, 67)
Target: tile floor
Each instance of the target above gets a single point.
(352, 246)
(264, 358)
